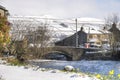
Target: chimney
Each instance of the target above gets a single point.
(114, 25)
(104, 28)
(81, 29)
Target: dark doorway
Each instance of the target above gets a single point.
(57, 55)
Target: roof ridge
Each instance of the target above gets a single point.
(2, 7)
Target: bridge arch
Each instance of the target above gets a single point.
(58, 55)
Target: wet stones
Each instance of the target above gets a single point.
(69, 68)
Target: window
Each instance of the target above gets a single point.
(98, 36)
(90, 36)
(94, 36)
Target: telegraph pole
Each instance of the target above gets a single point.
(76, 33)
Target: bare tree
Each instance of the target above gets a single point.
(18, 45)
(20, 27)
(40, 40)
(109, 20)
(112, 24)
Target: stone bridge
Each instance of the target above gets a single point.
(70, 52)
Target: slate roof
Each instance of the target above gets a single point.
(3, 8)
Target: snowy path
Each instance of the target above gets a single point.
(20, 73)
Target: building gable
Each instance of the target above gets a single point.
(3, 11)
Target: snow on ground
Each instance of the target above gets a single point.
(9, 72)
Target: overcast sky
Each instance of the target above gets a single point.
(63, 8)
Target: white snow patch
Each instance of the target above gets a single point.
(20, 73)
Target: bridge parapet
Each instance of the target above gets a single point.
(75, 53)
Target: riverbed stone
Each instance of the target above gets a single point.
(69, 68)
(54, 71)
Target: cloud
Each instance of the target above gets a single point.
(63, 8)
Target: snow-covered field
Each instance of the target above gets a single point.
(9, 72)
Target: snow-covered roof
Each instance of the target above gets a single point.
(90, 30)
(1, 7)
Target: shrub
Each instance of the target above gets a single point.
(110, 76)
(14, 61)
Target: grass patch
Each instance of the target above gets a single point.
(110, 75)
(16, 62)
(107, 77)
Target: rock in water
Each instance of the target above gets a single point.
(69, 68)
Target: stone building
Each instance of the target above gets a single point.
(3, 11)
(86, 35)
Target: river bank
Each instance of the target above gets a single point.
(8, 72)
(92, 66)
(53, 70)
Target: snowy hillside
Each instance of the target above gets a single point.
(59, 28)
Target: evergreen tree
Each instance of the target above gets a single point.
(4, 32)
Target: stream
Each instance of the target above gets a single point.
(95, 66)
